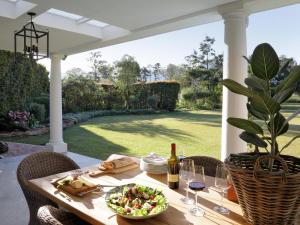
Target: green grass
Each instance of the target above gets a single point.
(194, 132)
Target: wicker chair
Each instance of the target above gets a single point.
(208, 163)
(49, 215)
(38, 165)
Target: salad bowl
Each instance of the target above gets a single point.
(134, 201)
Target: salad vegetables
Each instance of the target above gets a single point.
(137, 201)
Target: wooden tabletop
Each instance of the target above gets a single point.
(92, 207)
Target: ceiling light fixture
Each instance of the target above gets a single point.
(32, 40)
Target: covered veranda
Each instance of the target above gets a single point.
(78, 26)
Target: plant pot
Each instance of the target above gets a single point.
(266, 197)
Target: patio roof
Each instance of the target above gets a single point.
(77, 26)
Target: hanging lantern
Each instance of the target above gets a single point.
(32, 39)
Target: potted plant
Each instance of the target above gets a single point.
(267, 183)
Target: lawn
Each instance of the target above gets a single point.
(194, 132)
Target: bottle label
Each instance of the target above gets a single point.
(173, 177)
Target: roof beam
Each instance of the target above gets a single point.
(82, 20)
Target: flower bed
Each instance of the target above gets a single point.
(70, 119)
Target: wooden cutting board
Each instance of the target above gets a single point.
(88, 187)
(113, 171)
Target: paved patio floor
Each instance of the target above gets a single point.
(13, 206)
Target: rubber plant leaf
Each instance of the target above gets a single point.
(246, 125)
(253, 139)
(265, 62)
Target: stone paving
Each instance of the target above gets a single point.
(13, 206)
(16, 149)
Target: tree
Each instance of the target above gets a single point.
(174, 72)
(145, 73)
(100, 68)
(74, 73)
(205, 56)
(286, 65)
(157, 71)
(217, 67)
(128, 72)
(207, 53)
(205, 66)
(193, 59)
(150, 69)
(204, 70)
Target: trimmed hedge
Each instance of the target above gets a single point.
(165, 92)
(84, 94)
(84, 116)
(20, 81)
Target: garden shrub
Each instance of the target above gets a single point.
(14, 120)
(38, 110)
(20, 81)
(201, 98)
(166, 93)
(43, 100)
(6, 124)
(192, 94)
(113, 99)
(32, 121)
(82, 94)
(133, 102)
(152, 102)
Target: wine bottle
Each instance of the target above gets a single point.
(173, 169)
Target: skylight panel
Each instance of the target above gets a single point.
(77, 18)
(80, 24)
(65, 14)
(14, 8)
(97, 23)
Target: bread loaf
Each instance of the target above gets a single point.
(116, 163)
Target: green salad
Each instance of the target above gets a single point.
(137, 201)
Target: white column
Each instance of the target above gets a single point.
(235, 68)
(56, 142)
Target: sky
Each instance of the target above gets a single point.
(279, 27)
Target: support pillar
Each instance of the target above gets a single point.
(56, 142)
(235, 68)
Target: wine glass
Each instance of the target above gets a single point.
(182, 153)
(221, 184)
(197, 183)
(186, 173)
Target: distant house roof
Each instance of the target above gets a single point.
(157, 81)
(106, 82)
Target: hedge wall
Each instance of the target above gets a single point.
(166, 93)
(83, 94)
(20, 82)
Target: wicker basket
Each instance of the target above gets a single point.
(267, 197)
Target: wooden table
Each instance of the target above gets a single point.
(93, 209)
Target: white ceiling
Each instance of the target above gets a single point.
(118, 20)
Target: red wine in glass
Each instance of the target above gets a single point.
(196, 186)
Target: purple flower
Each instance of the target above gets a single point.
(19, 117)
